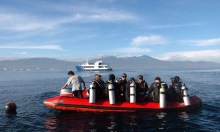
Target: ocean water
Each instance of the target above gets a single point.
(28, 89)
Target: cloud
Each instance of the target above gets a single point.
(133, 50)
(138, 43)
(43, 47)
(27, 22)
(89, 12)
(148, 40)
(23, 22)
(202, 55)
(205, 42)
(174, 26)
(21, 53)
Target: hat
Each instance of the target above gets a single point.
(140, 77)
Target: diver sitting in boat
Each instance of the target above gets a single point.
(174, 91)
(132, 91)
(143, 88)
(112, 89)
(154, 90)
(122, 83)
(100, 87)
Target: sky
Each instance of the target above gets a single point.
(182, 30)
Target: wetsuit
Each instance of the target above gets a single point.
(100, 88)
(175, 92)
(154, 91)
(142, 90)
(122, 89)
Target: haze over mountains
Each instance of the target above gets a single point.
(141, 62)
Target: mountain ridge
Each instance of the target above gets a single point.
(141, 62)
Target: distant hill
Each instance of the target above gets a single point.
(142, 62)
(147, 62)
(36, 64)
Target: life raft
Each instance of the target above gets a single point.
(65, 102)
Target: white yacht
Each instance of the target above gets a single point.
(97, 66)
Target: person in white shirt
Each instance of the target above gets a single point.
(76, 82)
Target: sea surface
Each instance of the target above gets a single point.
(28, 89)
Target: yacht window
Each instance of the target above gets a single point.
(89, 67)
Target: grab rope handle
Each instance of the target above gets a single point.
(58, 101)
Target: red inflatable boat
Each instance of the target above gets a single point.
(68, 103)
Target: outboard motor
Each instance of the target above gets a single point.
(10, 108)
(132, 92)
(162, 96)
(66, 92)
(185, 95)
(111, 92)
(92, 92)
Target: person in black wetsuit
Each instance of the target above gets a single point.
(154, 90)
(174, 91)
(116, 87)
(142, 88)
(127, 92)
(137, 93)
(122, 84)
(100, 87)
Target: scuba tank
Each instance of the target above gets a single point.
(162, 96)
(92, 92)
(111, 92)
(132, 92)
(185, 95)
